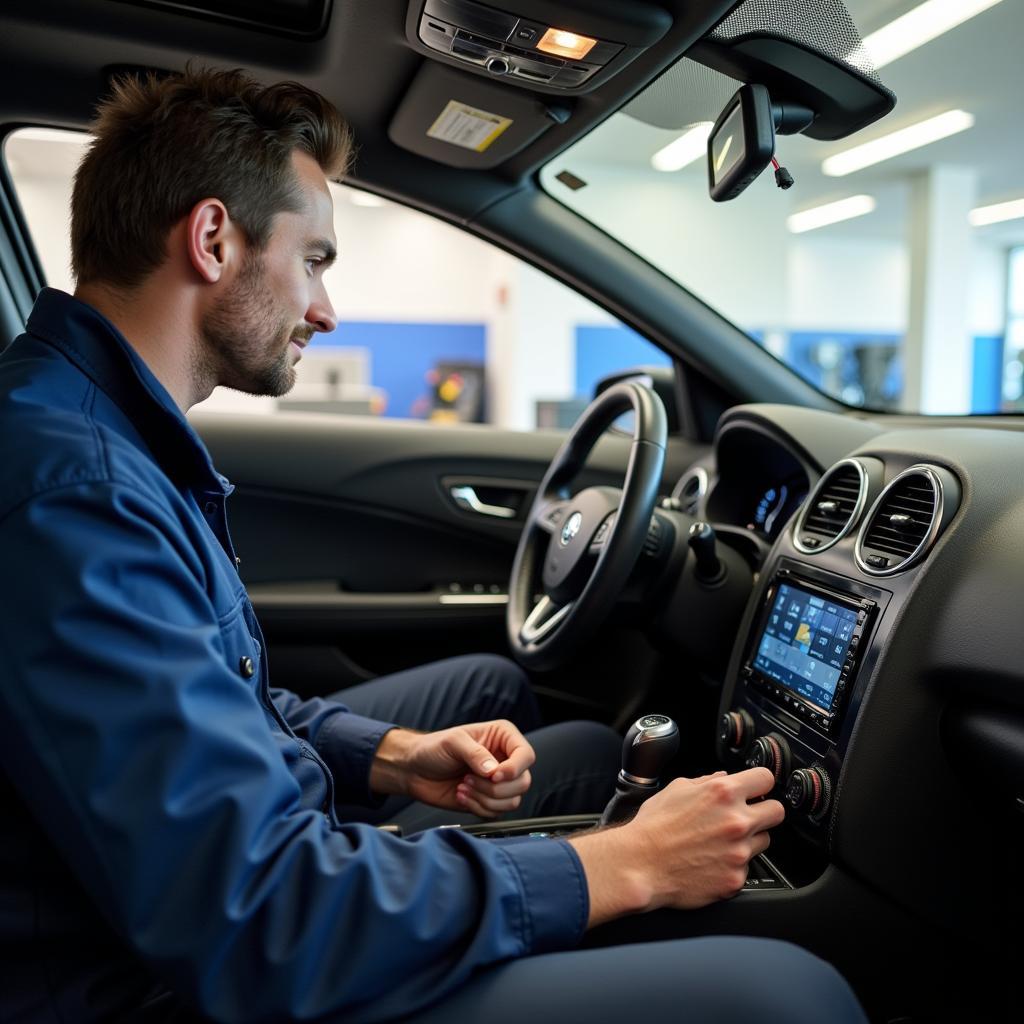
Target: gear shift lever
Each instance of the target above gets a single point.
(649, 746)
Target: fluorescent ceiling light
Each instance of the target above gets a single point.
(919, 26)
(830, 213)
(895, 143)
(690, 146)
(982, 215)
(358, 198)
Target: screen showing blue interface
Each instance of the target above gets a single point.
(804, 643)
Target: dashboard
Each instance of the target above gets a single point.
(877, 668)
(759, 482)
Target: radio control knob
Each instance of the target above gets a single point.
(809, 791)
(735, 730)
(771, 752)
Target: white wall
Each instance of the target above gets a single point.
(396, 264)
(846, 284)
(732, 255)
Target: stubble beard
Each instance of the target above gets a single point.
(245, 342)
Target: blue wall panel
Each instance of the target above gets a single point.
(402, 354)
(987, 379)
(604, 350)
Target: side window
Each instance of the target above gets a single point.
(433, 324)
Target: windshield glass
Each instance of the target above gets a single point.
(898, 285)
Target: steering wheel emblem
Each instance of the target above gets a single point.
(571, 528)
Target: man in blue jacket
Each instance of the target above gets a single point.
(179, 839)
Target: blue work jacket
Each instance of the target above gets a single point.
(168, 835)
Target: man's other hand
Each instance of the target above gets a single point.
(688, 845)
(483, 768)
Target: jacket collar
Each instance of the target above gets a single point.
(99, 350)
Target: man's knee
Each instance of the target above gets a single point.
(505, 675)
(511, 687)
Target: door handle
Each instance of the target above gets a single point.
(466, 498)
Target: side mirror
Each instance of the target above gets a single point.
(660, 379)
(742, 142)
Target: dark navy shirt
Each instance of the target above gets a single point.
(167, 823)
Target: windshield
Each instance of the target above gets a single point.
(898, 285)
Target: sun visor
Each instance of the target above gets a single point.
(464, 121)
(304, 18)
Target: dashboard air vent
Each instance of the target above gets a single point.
(833, 509)
(903, 523)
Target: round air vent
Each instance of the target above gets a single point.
(903, 523)
(692, 486)
(833, 508)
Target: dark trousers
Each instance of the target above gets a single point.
(721, 980)
(576, 761)
(718, 980)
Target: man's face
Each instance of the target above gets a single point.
(254, 335)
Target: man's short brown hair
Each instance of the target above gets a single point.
(162, 144)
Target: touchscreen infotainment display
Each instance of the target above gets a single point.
(804, 644)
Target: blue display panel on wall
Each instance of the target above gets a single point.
(403, 354)
(870, 365)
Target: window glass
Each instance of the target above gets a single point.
(433, 323)
(895, 300)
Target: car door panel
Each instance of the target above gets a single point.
(357, 556)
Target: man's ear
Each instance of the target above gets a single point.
(212, 239)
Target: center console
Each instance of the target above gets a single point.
(795, 697)
(763, 873)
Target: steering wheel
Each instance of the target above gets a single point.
(585, 545)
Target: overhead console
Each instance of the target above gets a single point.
(551, 46)
(498, 76)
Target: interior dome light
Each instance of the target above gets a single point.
(566, 44)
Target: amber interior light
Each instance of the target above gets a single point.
(566, 44)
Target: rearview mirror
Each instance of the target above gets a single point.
(742, 141)
(741, 144)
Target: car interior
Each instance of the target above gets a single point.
(801, 576)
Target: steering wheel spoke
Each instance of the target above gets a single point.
(544, 618)
(551, 517)
(601, 536)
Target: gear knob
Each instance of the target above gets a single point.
(648, 748)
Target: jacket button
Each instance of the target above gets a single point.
(246, 667)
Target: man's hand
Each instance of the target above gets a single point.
(688, 846)
(482, 768)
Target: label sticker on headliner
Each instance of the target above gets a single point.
(468, 127)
